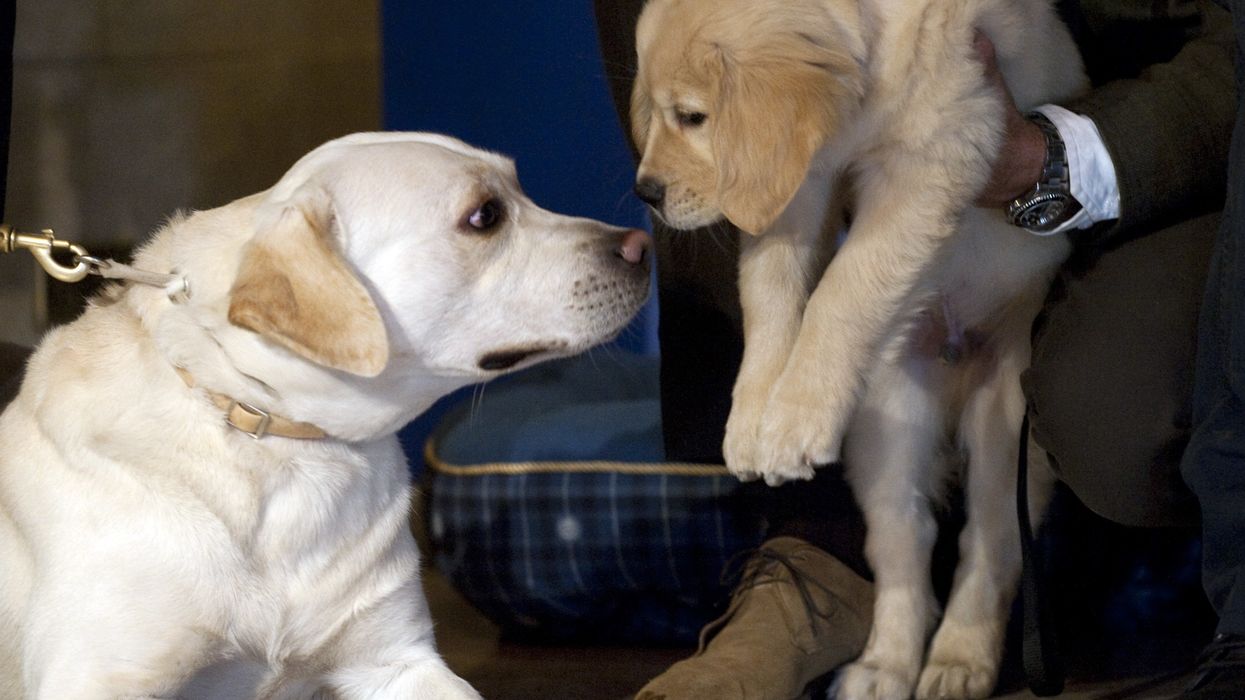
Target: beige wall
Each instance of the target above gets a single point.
(126, 110)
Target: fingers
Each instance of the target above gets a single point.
(985, 51)
(1023, 149)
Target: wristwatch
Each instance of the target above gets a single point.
(1050, 203)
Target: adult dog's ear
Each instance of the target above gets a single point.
(295, 289)
(777, 105)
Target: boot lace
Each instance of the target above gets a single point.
(755, 567)
(1227, 651)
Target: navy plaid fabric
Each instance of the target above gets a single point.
(582, 549)
(600, 555)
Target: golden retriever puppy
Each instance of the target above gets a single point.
(796, 120)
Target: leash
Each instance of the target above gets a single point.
(44, 246)
(1043, 661)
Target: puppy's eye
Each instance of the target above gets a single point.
(691, 119)
(486, 216)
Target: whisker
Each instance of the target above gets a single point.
(477, 402)
(717, 232)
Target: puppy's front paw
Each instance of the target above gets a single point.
(740, 445)
(868, 681)
(793, 440)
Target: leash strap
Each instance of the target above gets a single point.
(176, 286)
(44, 245)
(1043, 661)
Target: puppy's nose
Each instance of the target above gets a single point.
(634, 246)
(650, 191)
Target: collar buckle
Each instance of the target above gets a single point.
(262, 419)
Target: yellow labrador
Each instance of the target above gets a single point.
(149, 549)
(783, 116)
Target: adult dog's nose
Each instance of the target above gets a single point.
(651, 191)
(633, 247)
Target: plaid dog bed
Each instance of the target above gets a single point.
(550, 509)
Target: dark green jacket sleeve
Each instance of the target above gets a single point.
(1167, 130)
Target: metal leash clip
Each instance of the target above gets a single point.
(42, 245)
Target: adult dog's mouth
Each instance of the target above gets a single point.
(501, 360)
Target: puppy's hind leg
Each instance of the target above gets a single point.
(894, 467)
(964, 655)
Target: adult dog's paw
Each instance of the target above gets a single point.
(866, 681)
(429, 678)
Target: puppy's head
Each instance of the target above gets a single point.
(417, 255)
(732, 99)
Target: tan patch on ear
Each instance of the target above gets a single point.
(295, 289)
(778, 104)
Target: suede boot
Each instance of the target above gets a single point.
(1221, 670)
(796, 615)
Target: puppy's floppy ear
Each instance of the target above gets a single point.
(777, 105)
(641, 114)
(295, 289)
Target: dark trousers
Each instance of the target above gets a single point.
(1214, 463)
(1111, 381)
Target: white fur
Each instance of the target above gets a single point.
(834, 354)
(148, 550)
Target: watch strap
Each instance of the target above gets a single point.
(1055, 173)
(1055, 183)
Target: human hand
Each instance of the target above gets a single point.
(1018, 165)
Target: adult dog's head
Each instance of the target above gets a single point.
(391, 267)
(475, 276)
(733, 98)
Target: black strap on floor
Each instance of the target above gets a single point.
(12, 357)
(1042, 659)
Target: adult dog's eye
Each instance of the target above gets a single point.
(486, 216)
(691, 119)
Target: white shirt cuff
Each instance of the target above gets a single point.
(1091, 173)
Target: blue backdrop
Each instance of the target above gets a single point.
(525, 79)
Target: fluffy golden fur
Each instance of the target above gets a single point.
(784, 116)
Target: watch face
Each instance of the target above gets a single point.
(1047, 211)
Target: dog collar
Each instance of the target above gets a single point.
(253, 421)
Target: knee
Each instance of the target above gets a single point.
(1110, 382)
(1119, 454)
